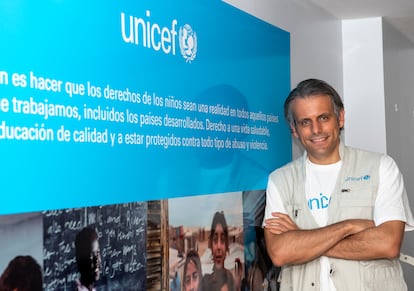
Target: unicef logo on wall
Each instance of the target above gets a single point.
(144, 33)
(188, 43)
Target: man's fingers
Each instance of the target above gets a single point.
(280, 224)
(276, 229)
(281, 219)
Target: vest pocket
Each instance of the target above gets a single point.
(357, 202)
(384, 275)
(302, 220)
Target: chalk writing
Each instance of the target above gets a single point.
(122, 240)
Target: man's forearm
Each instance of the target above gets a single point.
(301, 246)
(382, 242)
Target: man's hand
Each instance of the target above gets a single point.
(280, 223)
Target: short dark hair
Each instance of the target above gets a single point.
(22, 273)
(311, 87)
(219, 219)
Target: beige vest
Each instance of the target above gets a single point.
(353, 197)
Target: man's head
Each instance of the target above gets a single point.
(192, 271)
(219, 239)
(88, 257)
(315, 113)
(22, 274)
(311, 87)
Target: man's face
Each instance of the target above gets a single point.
(318, 128)
(219, 246)
(192, 277)
(95, 260)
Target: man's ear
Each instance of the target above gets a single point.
(293, 130)
(341, 119)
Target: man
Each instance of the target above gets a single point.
(335, 217)
(88, 259)
(221, 279)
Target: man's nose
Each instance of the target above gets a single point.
(316, 127)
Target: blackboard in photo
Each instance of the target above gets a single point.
(121, 234)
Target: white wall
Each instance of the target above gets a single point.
(363, 72)
(399, 112)
(399, 88)
(315, 39)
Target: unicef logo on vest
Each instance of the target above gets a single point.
(188, 43)
(361, 178)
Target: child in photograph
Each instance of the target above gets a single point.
(192, 271)
(23, 273)
(88, 259)
(221, 278)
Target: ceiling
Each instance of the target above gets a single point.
(399, 13)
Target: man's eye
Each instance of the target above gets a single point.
(324, 118)
(305, 122)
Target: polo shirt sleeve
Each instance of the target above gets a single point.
(273, 201)
(392, 201)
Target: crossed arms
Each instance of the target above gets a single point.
(353, 239)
